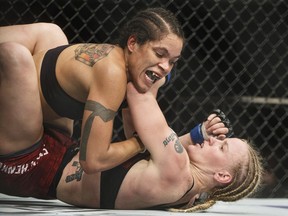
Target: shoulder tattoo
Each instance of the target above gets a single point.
(97, 110)
(89, 54)
(174, 138)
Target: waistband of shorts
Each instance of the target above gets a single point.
(22, 152)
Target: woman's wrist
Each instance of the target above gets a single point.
(196, 134)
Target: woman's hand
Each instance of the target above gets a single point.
(217, 125)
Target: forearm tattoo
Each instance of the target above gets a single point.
(177, 145)
(97, 110)
(77, 175)
(89, 54)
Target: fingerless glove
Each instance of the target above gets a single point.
(226, 122)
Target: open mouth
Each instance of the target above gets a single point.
(152, 76)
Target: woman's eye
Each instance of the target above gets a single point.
(160, 55)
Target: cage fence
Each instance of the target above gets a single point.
(235, 58)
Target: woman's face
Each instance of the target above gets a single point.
(215, 155)
(153, 60)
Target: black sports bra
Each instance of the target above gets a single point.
(62, 103)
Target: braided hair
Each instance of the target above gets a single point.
(150, 25)
(246, 182)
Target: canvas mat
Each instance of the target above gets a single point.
(10, 205)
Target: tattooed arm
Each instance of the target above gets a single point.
(106, 93)
(36, 37)
(168, 170)
(167, 153)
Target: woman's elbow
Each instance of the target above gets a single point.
(92, 167)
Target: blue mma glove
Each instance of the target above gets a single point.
(198, 133)
(168, 78)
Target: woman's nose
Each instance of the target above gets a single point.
(166, 67)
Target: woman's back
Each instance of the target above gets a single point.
(76, 70)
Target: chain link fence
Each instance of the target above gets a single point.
(235, 59)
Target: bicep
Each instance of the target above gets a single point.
(151, 125)
(104, 99)
(155, 133)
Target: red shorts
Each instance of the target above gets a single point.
(31, 174)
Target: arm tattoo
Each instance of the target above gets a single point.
(78, 173)
(177, 146)
(89, 54)
(97, 110)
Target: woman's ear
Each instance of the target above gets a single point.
(132, 41)
(223, 177)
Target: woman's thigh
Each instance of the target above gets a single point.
(21, 123)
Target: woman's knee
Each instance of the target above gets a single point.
(57, 32)
(49, 36)
(15, 60)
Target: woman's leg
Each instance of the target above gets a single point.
(20, 108)
(36, 37)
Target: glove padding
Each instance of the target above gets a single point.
(225, 121)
